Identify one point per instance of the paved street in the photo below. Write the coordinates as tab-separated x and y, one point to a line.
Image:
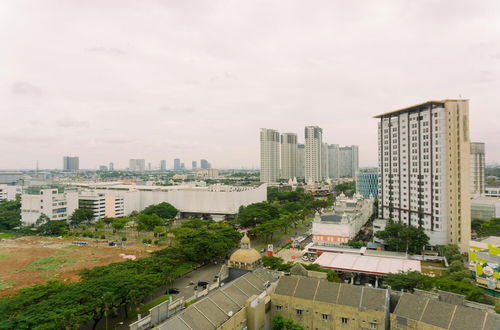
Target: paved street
205	273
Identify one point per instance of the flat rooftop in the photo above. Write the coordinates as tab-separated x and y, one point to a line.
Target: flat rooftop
419	105
366	264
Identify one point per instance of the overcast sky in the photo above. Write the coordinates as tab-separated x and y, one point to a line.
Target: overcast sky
113	80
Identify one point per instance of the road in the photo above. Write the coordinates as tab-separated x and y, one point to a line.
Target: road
283	240
205	273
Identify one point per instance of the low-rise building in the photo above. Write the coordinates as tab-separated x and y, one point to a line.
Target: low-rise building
55	203
8	193
492	192
207	173
319	304
102	204
485	208
344	222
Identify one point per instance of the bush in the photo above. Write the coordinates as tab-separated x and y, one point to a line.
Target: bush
124	239
103	236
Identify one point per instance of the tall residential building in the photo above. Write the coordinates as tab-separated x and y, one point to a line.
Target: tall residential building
71	164
348	161
314	146
137	165
288	156
204	164
269	155
325	161
111	166
333	160
163	165
424	162
194	165
177	164
477	165
301	160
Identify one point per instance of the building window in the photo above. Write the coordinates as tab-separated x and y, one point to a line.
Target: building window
373	325
279	307
343	320
325	317
299	312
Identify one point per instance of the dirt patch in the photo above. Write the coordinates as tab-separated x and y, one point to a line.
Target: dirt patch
32	260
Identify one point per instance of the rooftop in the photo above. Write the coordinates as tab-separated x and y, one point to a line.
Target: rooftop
419	105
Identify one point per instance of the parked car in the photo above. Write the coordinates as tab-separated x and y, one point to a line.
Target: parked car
202	283
173	291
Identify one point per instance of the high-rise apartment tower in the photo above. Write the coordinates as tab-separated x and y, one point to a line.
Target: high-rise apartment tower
424	162
477	168
314	146
71	164
288	156
269	155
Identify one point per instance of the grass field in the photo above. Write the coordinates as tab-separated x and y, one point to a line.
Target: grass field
29	260
5	235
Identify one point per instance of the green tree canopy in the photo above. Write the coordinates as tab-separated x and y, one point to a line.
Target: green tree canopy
147	222
403	238
10	214
163	210
80	216
257	213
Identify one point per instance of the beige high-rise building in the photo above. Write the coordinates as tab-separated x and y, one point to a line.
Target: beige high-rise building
288	156
269	155
477	165
314	146
301	160
424	169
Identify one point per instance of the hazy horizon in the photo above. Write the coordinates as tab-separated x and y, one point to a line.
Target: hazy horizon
113	80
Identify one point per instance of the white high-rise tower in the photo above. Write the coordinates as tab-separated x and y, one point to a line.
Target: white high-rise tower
424	163
314	146
269	155
288	156
477	163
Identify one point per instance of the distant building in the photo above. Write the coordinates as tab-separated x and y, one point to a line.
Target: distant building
71	164
288	156
177	164
8	193
485	208
55	203
477	165
103	168
209	173
301	160
367	182
325	161
10	177
492	192
204	164
348	161
424	162
269	155
314	147
137	165
163	165
333	161
111	166
101	204
194	165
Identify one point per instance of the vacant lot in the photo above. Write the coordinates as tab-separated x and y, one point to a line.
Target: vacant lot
31	260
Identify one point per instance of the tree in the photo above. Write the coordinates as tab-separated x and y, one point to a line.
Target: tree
267	229
52	228
43	218
10	214
347	188
403	238
257	213
80	216
162	210
318	205
147	222
408	281
280	323
451	252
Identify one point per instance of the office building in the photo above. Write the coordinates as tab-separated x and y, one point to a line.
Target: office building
477	164
137	165
194	165
204	164
301	160
55	203
71	164
288	156
177	164
163	165
424	162
314	146
269	155
367	182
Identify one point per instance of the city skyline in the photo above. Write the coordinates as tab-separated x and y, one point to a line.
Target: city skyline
105	95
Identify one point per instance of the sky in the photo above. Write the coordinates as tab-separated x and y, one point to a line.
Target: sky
119	79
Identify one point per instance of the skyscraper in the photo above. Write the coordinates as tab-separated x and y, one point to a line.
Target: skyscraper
324	161
333	160
288	156
137	165
194	165
177	164
269	155
204	164
424	162
163	165
71	164
477	168
314	146
301	160
348	161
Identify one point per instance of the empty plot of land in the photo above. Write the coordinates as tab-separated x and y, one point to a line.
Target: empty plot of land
32	260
